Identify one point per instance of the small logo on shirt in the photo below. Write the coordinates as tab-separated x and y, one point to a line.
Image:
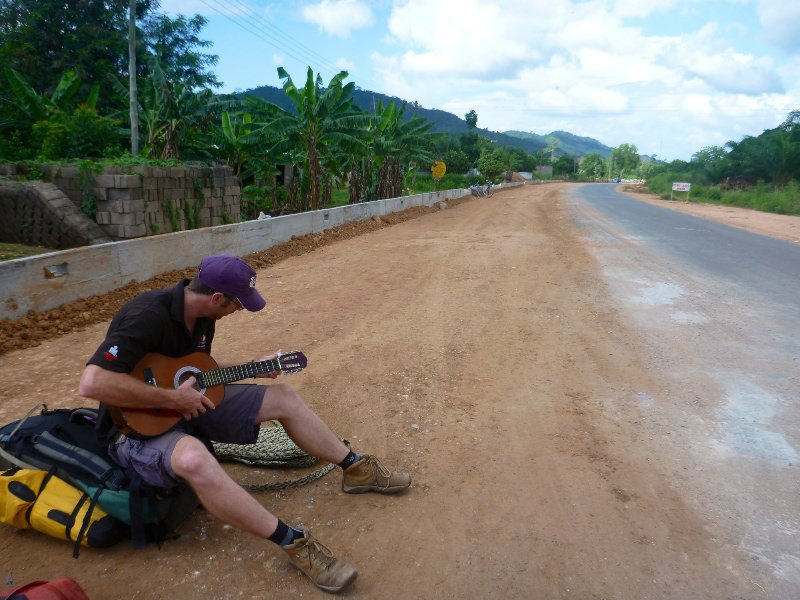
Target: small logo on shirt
202	342
111	353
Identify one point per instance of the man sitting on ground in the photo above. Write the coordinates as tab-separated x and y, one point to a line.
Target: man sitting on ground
179	321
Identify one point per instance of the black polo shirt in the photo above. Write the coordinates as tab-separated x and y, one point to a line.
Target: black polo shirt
151	322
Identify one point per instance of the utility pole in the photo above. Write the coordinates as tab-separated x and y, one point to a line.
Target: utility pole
132	78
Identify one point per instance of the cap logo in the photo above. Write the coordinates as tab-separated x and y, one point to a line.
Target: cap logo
253	281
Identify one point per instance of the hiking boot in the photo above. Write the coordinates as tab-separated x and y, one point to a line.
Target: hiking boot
369	475
317	562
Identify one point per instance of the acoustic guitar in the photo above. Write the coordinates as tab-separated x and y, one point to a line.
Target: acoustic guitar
162	371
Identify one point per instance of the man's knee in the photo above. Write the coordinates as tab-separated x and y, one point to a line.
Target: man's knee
192	461
282	399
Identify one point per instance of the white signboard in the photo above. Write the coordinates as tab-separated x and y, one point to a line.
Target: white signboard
681	187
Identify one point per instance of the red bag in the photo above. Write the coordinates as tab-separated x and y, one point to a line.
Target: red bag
58	589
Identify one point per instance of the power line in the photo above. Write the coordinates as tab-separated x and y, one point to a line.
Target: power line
322	60
255	30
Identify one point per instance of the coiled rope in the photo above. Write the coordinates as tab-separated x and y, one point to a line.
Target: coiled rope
273	448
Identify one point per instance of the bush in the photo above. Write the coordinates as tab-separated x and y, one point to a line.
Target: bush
255	200
453	181
83	135
90	135
50	137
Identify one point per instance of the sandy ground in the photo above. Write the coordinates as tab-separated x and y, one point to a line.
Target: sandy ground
473	346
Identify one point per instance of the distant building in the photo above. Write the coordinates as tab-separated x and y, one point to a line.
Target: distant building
544	170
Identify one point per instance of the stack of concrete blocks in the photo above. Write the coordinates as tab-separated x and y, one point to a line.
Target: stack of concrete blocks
40	214
189	197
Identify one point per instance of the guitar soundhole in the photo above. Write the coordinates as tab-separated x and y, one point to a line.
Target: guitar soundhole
182	374
183	378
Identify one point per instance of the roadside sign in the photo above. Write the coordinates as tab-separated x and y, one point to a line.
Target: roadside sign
681	186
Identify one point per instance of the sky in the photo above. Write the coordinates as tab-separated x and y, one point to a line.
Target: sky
668	76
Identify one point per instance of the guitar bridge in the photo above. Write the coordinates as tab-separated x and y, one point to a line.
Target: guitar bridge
149	378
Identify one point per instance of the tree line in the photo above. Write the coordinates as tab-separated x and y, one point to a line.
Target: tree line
64	96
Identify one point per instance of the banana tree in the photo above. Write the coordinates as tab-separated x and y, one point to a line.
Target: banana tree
399	146
173	117
38	107
323	121
234	133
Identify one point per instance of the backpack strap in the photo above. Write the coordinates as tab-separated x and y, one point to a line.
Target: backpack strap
7	438
87	520
89	414
91	463
17	461
136	507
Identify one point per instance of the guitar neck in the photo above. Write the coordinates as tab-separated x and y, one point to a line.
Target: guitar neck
225	375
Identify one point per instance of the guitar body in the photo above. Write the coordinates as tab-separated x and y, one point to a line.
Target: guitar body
162	371
165	372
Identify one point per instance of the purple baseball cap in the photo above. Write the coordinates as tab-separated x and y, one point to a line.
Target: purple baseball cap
233	277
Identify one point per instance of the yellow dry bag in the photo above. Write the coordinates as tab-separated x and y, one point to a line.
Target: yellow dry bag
42	501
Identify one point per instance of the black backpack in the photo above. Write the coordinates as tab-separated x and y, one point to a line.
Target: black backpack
64	443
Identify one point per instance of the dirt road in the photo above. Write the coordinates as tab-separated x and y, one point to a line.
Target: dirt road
479	348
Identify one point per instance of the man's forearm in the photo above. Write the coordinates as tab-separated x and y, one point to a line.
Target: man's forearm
122	390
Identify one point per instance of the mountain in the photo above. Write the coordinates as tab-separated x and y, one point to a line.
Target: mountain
445	122
565	143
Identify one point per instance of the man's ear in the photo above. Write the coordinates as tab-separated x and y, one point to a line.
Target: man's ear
217	298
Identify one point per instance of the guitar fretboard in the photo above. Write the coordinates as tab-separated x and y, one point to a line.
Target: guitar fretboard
237	373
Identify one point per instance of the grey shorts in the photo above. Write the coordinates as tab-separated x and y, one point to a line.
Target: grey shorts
232	422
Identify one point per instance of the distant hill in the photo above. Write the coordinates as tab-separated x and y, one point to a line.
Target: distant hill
445	122
566	143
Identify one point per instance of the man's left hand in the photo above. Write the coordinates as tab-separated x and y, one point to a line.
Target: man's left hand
271	374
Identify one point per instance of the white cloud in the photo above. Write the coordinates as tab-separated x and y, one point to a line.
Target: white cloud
344	64
586	67
735	73
781	22
467	38
339	17
641	8
706	57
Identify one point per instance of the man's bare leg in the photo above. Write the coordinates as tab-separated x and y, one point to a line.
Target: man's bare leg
302	424
230	503
222	497
363	473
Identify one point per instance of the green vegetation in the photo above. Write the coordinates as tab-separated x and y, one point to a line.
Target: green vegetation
760	172
332	142
12	251
86	173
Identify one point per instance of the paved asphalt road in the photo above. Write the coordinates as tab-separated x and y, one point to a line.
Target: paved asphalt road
716	311
760	264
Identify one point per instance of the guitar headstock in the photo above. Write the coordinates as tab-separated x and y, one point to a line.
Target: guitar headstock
292	362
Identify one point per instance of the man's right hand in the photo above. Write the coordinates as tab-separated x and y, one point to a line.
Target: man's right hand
189	402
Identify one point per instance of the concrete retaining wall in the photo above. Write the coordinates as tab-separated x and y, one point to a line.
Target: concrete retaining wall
137	201
47	281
